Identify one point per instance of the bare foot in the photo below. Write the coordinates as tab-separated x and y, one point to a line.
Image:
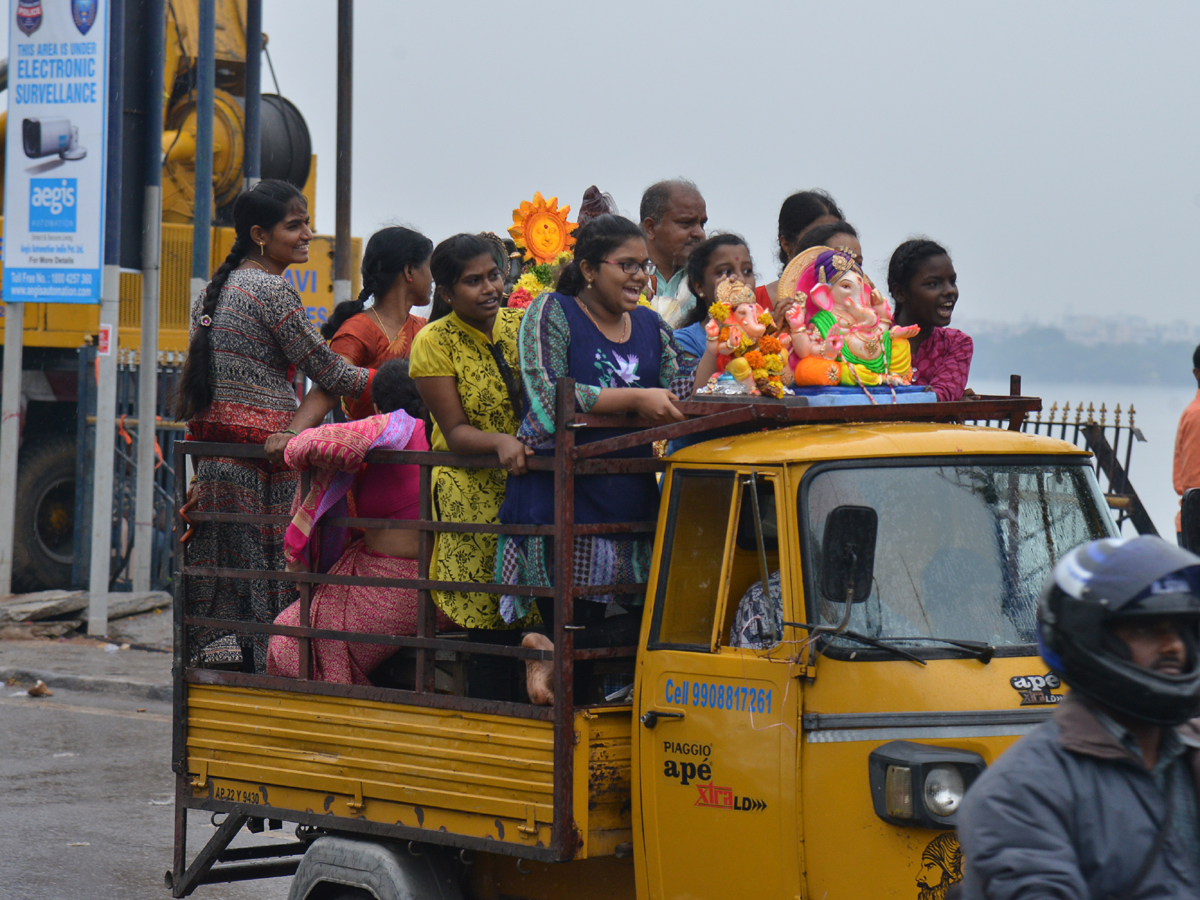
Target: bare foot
539	673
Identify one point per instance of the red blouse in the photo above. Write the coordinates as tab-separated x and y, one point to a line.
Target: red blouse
362	341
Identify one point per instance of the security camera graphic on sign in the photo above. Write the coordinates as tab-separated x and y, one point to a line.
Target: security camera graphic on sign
51	136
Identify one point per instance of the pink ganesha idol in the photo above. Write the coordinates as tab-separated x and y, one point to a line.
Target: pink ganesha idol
841	328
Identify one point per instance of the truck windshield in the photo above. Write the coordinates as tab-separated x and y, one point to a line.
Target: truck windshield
962	550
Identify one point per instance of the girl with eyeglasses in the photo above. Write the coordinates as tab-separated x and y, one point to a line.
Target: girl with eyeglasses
623	359
466	366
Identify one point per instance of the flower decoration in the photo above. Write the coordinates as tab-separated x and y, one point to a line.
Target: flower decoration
541	229
520	299
720	312
531	283
768	343
537	278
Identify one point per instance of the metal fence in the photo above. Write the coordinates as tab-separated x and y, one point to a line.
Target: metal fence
125	469
1111	442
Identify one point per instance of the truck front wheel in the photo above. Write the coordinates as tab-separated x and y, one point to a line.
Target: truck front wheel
44	528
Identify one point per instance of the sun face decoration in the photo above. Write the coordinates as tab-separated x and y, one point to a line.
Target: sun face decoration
541	229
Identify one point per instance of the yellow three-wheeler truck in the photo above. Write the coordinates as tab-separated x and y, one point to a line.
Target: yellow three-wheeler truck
813	739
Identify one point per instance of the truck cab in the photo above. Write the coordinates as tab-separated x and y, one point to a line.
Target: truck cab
838	637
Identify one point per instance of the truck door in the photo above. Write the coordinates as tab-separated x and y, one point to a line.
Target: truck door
714	759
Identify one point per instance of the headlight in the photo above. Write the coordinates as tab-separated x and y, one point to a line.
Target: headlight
920	785
944	790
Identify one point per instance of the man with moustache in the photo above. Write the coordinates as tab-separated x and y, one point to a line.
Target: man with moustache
673	217
941	868
1101	801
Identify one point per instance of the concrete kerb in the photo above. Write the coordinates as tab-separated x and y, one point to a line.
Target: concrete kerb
124	686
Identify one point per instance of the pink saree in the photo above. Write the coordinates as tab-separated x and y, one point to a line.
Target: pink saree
335	453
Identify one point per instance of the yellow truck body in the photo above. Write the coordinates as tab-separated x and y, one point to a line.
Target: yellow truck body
735	773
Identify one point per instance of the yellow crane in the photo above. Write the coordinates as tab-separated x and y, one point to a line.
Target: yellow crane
44	534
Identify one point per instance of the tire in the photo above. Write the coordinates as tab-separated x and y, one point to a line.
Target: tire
44	528
335	866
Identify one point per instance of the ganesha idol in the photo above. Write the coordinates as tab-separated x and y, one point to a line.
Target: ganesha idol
840	326
743	339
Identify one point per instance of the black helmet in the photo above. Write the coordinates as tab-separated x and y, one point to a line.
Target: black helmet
1112	579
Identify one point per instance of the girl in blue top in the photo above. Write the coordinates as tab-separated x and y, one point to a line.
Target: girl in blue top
623	360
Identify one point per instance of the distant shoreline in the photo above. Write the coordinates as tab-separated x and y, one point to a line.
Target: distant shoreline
1046	354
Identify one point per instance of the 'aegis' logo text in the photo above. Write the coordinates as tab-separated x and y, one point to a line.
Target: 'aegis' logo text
52	204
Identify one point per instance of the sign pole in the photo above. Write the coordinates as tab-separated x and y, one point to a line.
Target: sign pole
345	107
206	78
106	359
10	436
143	530
252	163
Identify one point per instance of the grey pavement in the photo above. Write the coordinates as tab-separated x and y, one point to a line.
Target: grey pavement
87	788
84	664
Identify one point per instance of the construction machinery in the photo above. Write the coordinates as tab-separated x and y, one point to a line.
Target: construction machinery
45	529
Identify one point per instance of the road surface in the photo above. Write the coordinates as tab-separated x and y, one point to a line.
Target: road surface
87	811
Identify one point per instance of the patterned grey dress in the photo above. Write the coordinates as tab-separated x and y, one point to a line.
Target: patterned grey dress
260	336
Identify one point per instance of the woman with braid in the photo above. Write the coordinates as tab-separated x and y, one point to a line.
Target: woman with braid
395	273
250	334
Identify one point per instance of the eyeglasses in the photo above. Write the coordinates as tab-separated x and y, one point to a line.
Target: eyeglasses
629	267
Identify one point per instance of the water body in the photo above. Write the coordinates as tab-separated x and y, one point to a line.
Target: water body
1156	414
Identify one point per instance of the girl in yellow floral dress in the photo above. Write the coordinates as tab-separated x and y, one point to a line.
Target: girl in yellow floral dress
467	367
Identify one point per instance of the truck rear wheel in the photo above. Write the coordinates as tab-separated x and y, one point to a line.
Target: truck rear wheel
44	528
337	866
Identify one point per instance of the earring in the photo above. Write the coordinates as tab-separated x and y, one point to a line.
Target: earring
262	250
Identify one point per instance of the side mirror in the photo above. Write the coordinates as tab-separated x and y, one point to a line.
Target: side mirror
1191	519
848	553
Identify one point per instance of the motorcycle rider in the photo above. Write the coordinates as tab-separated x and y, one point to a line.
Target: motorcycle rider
1101	801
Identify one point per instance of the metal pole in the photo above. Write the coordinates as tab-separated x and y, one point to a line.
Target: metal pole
345	104
252	159
206	79
10	436
106	365
143	528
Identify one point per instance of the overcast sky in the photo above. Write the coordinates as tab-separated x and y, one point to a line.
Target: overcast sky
1050	146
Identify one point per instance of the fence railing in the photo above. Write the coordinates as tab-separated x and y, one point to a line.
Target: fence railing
1110	436
129	422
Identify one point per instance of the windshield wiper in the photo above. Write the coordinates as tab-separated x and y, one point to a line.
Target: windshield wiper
981	650
862	639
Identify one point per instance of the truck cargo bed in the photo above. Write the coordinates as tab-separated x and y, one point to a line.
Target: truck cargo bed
444	776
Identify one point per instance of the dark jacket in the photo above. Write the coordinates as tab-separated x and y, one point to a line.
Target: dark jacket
1068	813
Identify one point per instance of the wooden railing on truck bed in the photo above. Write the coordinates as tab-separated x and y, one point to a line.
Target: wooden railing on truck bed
569	460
